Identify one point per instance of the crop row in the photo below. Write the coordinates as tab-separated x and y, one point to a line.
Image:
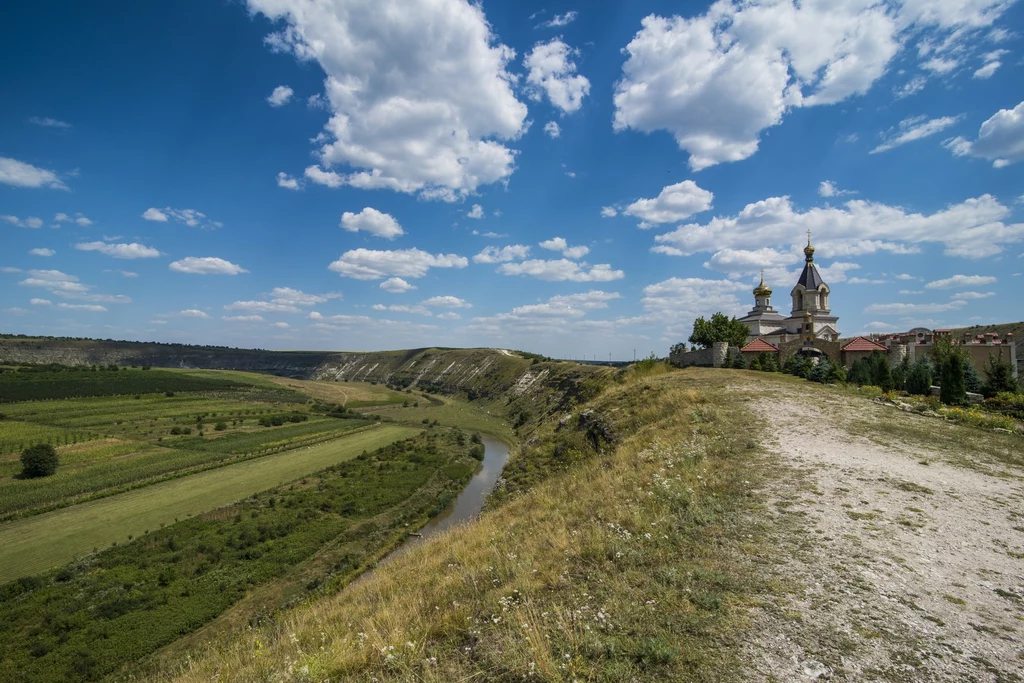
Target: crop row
37	386
244	442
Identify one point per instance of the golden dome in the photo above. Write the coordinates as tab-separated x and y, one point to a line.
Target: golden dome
762	289
809	250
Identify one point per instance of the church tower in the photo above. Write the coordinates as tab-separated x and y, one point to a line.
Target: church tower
810	300
763	319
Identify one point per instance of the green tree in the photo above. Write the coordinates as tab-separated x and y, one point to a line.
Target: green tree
739	362
767	362
881	375
900	372
954	391
972	380
720	328
860	372
999	377
38	461
919	378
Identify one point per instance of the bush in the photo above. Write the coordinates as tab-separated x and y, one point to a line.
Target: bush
860	372
881	375
739	362
38	461
999	374
755	363
954	390
767	362
919	378
220	426
972	380
900	372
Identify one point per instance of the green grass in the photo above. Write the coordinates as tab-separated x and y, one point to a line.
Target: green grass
453	413
267	437
91	617
34	544
34	386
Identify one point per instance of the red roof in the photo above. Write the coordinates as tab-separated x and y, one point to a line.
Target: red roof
759	345
863	344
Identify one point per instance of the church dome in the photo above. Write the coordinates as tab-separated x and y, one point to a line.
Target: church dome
762	289
809	251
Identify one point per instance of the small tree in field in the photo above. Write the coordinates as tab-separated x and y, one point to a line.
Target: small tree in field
954	391
1000	377
38	461
720	328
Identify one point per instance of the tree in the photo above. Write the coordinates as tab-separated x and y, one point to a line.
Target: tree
38	461
767	362
881	375
919	378
954	391
972	380
900	372
720	328
999	374
739	362
860	372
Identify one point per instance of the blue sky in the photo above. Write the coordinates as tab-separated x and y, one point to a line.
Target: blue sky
574	179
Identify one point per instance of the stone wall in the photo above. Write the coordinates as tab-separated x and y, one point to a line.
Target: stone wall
715	357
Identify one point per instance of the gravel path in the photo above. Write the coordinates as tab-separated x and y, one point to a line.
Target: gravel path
897	565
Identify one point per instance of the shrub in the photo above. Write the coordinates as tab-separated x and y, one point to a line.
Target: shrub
972	380
860	372
954	391
220	426
768	362
38	461
881	375
999	374
900	372
755	363
919	378
739	362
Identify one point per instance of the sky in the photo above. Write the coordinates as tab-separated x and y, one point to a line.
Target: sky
573	179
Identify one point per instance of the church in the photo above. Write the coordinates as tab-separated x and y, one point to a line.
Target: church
810	318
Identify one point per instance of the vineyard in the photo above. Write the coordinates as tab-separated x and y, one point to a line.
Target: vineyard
41	386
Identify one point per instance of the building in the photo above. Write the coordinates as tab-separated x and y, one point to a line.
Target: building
809	317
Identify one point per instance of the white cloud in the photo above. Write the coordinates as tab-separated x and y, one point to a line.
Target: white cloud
370	264
9	269
281	96
748	260
911	292
609	212
449	315
513	252
243	318
567	305
21	174
124	251
152	214
559	244
296	297
83	221
827	188
281	325
93	308
967	296
1001	139
552	129
940	65
551	71
396	285
674	203
913	309
412	112
321	177
905	276
988	70
40	302
683	299
961	281
262	307
206	265
193	313
717	80
879	326
915	128
866	281
41	252
447	302
287	182
403	308
372	221
911	87
30	222
69	287
559	20
47	122
972	228
476	212
561	270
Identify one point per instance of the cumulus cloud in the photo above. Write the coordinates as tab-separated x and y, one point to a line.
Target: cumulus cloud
262	307
403	308
970	296
991	65
243	318
561	270
370	264
396	285
206	265
287	182
47	122
41	252
914	128
513	252
124	251
372	221
476	212
552	129
559	244
21	174
961	281
674	203
609	212
972	228
296	297
40	302
447	302
911	87
827	188
686	298
281	325
69	287
92	308
281	96
717	80
153	214
30	222
193	313
551	71
410	112
1001	139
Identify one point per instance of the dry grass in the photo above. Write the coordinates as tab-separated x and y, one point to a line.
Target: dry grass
624	568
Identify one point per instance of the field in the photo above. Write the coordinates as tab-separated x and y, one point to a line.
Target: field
352	394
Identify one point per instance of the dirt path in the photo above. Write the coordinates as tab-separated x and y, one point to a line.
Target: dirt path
898	565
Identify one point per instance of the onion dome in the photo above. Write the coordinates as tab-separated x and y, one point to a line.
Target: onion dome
762	289
809	250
